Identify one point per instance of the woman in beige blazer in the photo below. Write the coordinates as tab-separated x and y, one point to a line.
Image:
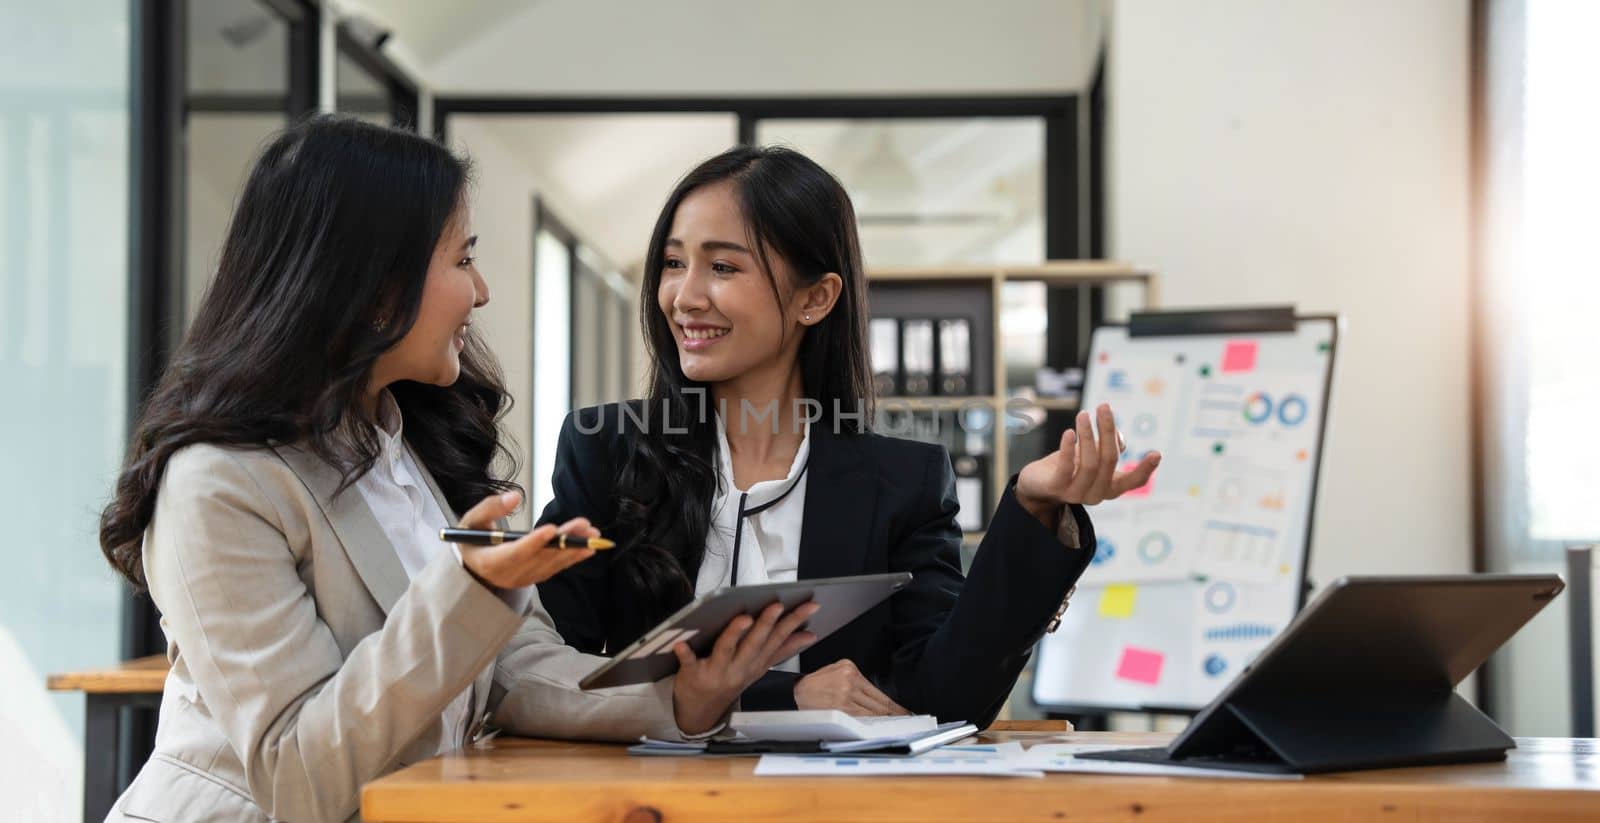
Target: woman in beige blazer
328	412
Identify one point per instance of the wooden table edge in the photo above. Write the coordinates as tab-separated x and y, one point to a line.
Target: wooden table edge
1350	795
144	675
1087	797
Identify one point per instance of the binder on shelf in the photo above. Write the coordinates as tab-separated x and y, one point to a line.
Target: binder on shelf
955	356
916	356
884	339
937	426
1049	382
971	478
930	427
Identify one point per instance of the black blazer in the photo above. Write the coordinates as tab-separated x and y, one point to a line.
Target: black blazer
874	504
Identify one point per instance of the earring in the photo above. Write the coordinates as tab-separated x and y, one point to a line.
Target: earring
379	324
808	318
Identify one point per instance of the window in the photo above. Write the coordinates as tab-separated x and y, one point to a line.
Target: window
1537	344
552	353
64	176
1540	298
237	88
1553	268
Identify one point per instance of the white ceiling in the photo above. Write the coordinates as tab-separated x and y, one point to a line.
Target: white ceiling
604	175
722	47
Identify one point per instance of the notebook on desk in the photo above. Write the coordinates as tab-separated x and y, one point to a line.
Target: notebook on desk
827	724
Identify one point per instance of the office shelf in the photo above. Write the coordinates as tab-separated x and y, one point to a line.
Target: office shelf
994	278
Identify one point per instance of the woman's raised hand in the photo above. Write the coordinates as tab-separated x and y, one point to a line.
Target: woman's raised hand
527	560
1083	470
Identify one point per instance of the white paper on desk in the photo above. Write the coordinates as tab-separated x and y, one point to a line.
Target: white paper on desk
651	746
1000	760
1010	749
1062	757
919	743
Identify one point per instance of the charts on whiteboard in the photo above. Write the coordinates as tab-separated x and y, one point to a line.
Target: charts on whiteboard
1197	571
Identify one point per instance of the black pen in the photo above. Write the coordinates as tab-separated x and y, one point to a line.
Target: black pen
480	537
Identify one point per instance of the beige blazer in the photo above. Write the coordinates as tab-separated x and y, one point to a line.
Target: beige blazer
305	663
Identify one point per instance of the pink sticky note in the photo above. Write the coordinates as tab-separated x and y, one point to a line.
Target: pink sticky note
1142	491
1140	665
1239	357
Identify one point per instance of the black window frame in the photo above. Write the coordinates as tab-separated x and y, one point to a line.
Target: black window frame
403	95
159	105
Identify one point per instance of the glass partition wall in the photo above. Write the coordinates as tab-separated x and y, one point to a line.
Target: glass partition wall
64	350
212	82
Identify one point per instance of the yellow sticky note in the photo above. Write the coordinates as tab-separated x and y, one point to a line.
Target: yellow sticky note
1117	601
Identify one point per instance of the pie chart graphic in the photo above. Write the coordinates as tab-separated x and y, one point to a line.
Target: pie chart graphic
1258	408
1292	411
1155	547
1220	597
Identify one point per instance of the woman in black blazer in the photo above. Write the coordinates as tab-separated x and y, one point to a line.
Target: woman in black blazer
750	461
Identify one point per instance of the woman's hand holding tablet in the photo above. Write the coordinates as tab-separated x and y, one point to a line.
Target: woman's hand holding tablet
836	601
746	649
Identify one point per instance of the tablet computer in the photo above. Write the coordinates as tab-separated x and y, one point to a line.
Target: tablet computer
650	658
1365	678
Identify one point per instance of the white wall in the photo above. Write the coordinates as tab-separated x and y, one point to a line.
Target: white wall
502	215
517	158
1315	152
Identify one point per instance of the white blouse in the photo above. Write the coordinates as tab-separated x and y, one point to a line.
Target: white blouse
411	518
768	539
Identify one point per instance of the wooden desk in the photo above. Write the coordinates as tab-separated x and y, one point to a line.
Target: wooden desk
128	685
1544	779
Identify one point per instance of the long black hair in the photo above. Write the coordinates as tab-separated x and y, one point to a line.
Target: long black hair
322	270
795	210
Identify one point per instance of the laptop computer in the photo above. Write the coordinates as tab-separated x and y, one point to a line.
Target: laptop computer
1364	678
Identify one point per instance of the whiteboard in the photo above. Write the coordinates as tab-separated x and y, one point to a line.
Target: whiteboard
1196	572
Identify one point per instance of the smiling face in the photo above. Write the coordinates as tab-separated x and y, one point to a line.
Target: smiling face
430	352
717	300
